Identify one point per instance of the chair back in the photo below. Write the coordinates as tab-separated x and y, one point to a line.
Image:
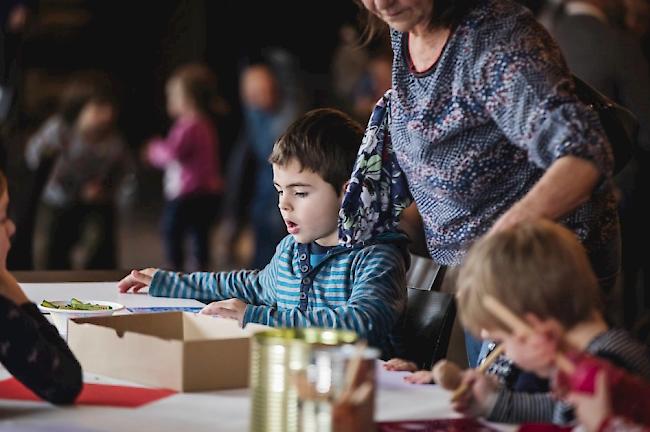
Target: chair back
430	313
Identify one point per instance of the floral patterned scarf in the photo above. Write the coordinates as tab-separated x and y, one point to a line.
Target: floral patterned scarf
378	192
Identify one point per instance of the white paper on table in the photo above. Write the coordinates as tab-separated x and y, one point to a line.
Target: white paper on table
26	427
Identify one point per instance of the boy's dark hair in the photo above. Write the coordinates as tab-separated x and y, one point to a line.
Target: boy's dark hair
325	141
200	85
446	13
84	88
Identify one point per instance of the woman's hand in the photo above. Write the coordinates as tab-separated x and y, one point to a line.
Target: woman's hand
516	214
566	184
398	364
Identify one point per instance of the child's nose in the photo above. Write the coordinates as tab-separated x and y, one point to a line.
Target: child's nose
283	204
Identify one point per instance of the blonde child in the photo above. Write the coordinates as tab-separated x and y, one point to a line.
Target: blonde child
540	272
190	157
30	347
311	281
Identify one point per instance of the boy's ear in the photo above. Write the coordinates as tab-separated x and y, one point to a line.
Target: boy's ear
343	188
342	191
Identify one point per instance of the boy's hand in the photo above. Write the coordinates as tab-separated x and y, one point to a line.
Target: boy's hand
481	395
136	280
420	377
537	352
592	410
398	364
232	308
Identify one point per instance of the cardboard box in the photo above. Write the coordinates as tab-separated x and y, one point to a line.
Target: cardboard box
175	350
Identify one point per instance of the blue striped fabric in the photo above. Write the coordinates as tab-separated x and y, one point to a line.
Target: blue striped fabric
362	288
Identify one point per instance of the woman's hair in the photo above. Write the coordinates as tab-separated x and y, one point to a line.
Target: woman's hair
199	84
83	88
446	13
325	141
535	267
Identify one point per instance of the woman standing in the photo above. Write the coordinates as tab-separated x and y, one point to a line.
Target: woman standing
486	126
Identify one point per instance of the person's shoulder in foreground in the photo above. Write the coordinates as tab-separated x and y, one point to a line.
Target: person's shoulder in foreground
30	347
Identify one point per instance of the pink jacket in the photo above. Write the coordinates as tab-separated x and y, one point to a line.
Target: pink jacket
190	157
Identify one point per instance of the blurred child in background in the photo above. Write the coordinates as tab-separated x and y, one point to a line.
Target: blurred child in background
271	99
89	165
190	157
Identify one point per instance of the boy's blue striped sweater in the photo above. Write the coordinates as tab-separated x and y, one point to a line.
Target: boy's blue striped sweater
362	288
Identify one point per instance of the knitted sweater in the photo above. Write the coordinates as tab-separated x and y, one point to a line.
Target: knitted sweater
475	132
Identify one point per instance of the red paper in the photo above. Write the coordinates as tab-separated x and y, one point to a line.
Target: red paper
92	394
438	425
630	394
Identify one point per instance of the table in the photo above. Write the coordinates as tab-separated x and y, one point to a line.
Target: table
205	411
211	411
106	291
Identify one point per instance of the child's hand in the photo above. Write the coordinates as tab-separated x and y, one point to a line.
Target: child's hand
93	191
136	280
540	349
145	150
481	395
398	364
592	410
420	377
536	351
447	374
232	308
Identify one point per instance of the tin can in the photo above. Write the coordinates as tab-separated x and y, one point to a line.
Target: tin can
276	356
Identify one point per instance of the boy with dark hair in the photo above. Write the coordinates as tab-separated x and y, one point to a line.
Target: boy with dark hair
311	281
